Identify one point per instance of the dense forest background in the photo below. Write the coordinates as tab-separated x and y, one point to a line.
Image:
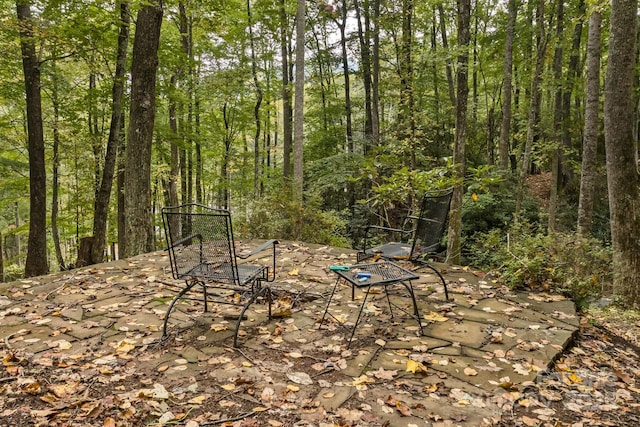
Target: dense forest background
311	119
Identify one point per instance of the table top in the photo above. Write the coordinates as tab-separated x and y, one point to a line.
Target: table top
380	273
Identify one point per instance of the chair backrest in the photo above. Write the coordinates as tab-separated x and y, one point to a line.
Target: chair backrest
431	223
200	242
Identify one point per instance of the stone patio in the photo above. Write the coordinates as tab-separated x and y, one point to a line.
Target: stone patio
103	323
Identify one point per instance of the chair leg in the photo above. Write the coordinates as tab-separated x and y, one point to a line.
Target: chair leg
190	284
364	302
416	312
244	309
435	270
326	310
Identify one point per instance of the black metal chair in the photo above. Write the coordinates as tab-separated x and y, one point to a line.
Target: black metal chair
423	239
202	252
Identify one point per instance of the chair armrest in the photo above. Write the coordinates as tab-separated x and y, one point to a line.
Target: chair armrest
185	239
260	248
423	219
263	247
379	227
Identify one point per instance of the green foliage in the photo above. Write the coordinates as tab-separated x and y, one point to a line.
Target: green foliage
577	266
276	215
490	205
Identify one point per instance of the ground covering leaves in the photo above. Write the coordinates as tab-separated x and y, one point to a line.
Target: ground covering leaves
289	373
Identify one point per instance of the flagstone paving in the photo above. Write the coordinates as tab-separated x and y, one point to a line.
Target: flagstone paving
83	348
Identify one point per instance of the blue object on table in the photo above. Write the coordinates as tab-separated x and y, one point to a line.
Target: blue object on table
363	275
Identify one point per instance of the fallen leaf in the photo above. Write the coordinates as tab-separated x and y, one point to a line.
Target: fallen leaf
470	372
198	400
413	366
530	422
300	378
435	317
404	410
383	374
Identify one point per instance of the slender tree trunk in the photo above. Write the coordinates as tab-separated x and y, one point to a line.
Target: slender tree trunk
532	123
591	126
137	178
101	205
406	120
55	233
505	129
364	37
375	77
459	156
286	93
445	45
36	263
174	161
256	108
621	149
556	154
345	72
298	141
573	74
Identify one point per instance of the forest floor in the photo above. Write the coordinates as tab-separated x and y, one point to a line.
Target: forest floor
82	348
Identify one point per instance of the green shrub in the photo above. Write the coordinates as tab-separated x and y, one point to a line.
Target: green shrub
576	266
276	216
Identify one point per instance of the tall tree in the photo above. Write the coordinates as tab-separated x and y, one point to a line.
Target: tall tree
101	204
556	153
505	129
287	112
534	104
342	25
459	154
256	108
137	175
623	180
591	126
298	120
36	263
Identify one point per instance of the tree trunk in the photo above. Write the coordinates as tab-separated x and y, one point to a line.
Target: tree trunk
459	156
445	45
286	93
256	108
556	154
345	72
364	37
101	206
36	263
621	150
55	184
298	138
505	129
407	124
591	126
532	123
375	77
137	178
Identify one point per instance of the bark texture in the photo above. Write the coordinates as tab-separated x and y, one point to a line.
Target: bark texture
36	263
623	180
137	177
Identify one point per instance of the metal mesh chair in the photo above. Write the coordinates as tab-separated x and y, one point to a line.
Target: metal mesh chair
418	242
202	252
